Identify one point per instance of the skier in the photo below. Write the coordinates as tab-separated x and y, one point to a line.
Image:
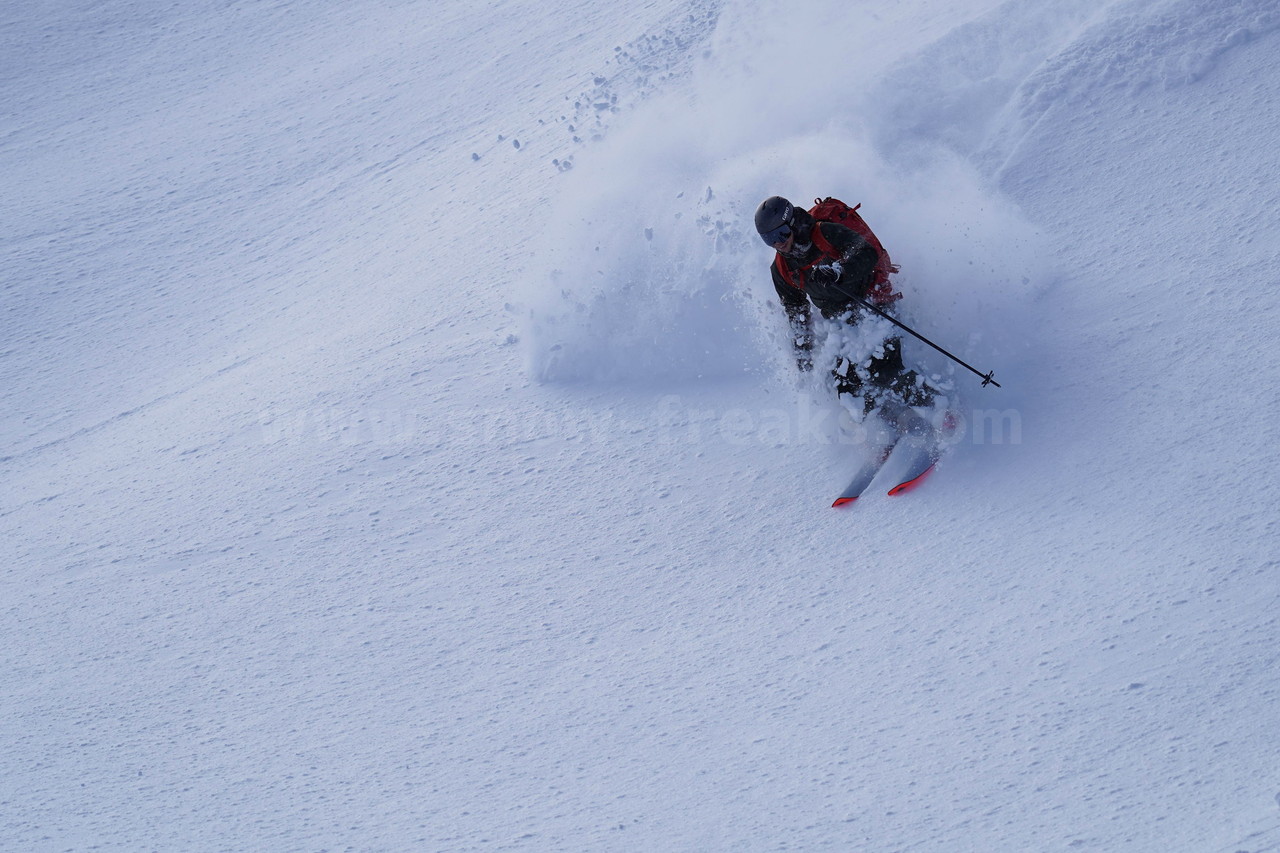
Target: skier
831	266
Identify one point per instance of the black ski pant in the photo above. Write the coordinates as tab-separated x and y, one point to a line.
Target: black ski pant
882	375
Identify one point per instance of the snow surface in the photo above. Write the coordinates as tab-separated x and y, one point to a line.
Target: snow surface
400	449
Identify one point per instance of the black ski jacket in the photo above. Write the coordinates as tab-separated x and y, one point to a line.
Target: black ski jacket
857	260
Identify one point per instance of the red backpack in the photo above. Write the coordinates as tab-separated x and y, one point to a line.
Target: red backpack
833	210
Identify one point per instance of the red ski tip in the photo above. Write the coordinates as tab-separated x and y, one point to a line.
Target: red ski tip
844	501
912	483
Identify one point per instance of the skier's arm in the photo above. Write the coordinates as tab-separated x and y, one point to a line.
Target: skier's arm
796	304
858	258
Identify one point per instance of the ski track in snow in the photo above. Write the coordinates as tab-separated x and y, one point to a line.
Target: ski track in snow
331	524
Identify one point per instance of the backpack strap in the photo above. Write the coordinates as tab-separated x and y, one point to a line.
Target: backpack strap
785	272
823	244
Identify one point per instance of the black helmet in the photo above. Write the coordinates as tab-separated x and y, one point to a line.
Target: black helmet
774	217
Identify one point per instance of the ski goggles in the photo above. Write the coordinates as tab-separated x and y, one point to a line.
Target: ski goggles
777	235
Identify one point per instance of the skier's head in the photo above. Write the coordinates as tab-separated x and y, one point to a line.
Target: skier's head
774	220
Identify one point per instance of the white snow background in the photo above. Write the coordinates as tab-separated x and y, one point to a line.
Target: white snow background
400	449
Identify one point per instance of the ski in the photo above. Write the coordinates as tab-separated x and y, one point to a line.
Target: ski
862	480
923	460
925	455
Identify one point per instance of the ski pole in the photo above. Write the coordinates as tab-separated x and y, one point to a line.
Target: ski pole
987	378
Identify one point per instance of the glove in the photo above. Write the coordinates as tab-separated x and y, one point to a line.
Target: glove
827	273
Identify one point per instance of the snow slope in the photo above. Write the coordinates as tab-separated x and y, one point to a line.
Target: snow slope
400	450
